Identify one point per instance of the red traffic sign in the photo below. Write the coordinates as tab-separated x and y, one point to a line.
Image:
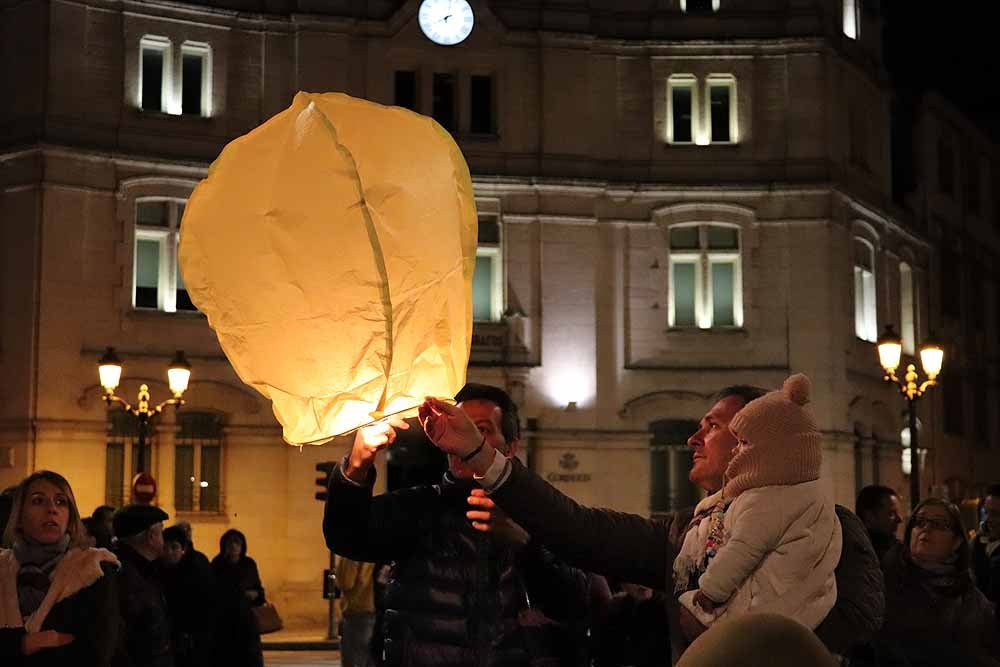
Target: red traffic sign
143	489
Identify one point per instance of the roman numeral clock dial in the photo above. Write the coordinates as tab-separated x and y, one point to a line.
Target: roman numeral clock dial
446	22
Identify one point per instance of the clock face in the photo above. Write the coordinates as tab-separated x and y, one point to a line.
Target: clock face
446	22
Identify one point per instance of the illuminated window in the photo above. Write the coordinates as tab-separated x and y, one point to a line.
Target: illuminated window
908	309
198	448
699	6
720	102
487	280
157	281
705	284
174	81
702	113
852	18
865	317
196	77
155	59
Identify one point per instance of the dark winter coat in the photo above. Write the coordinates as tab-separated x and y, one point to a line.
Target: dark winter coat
955	626
237	640
986	569
455	595
191	596
90	615
632	548
147	641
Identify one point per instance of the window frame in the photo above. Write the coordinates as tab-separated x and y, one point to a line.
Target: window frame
690	82
721	81
494	252
168	239
851	19
204	50
165	47
197	443
684	7
865	314
703	258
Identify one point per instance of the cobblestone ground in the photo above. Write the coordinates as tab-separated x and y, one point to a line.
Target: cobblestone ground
302	658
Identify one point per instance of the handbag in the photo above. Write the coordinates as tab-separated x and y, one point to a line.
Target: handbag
266	618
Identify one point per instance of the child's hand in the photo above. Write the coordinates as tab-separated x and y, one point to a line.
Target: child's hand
704	602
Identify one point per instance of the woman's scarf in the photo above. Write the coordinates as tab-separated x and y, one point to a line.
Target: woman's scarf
37	562
939	579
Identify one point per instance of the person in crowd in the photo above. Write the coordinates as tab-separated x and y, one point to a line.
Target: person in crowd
190	552
189	585
629	632
6	504
641	550
458	595
239	589
139	533
934	613
357	607
104	531
878	508
769	540
986	546
58	598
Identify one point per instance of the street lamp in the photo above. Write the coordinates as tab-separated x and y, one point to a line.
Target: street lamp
890	349
178	374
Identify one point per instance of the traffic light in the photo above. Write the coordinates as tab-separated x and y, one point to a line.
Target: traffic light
326	467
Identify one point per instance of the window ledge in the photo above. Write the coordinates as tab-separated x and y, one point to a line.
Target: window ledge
714	331
480	137
149	113
207	517
154	314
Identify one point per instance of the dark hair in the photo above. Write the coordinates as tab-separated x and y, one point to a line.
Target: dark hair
74	527
747	392
510	420
870	499
957	529
176	534
233	534
103	513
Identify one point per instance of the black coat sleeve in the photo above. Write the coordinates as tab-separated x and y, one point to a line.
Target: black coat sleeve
373	529
10	647
857	614
102	619
625	546
560	591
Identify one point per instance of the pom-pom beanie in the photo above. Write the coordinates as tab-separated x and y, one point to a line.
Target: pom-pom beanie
779	440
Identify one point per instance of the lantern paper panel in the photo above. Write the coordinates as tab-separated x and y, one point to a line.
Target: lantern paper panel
332	250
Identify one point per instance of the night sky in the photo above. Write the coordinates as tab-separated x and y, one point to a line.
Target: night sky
952	47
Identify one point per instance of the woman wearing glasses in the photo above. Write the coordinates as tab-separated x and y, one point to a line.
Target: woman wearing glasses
934	614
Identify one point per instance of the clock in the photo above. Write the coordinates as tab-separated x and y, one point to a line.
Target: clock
446	22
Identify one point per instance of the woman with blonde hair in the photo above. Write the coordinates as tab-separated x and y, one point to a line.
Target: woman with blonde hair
58	604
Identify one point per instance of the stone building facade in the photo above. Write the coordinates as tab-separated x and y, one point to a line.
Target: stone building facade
674	196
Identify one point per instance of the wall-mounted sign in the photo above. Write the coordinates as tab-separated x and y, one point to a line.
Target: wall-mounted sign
569	463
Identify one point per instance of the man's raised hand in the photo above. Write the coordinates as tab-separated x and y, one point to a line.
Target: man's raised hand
449	427
369	441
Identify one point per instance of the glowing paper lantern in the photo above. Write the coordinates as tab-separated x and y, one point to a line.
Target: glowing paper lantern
332	249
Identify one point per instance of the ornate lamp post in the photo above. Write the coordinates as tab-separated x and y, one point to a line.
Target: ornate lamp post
890	348
178	375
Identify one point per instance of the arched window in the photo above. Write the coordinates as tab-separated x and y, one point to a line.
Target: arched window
865	311
157	281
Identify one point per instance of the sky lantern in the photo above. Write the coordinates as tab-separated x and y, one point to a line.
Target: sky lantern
332	250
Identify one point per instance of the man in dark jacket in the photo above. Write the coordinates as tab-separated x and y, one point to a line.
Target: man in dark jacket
640	550
878	508
986	546
190	591
459	594
139	529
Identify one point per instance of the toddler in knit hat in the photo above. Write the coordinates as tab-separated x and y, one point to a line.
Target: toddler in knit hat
770	539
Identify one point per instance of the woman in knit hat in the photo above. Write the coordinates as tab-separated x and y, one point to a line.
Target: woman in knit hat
771	539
